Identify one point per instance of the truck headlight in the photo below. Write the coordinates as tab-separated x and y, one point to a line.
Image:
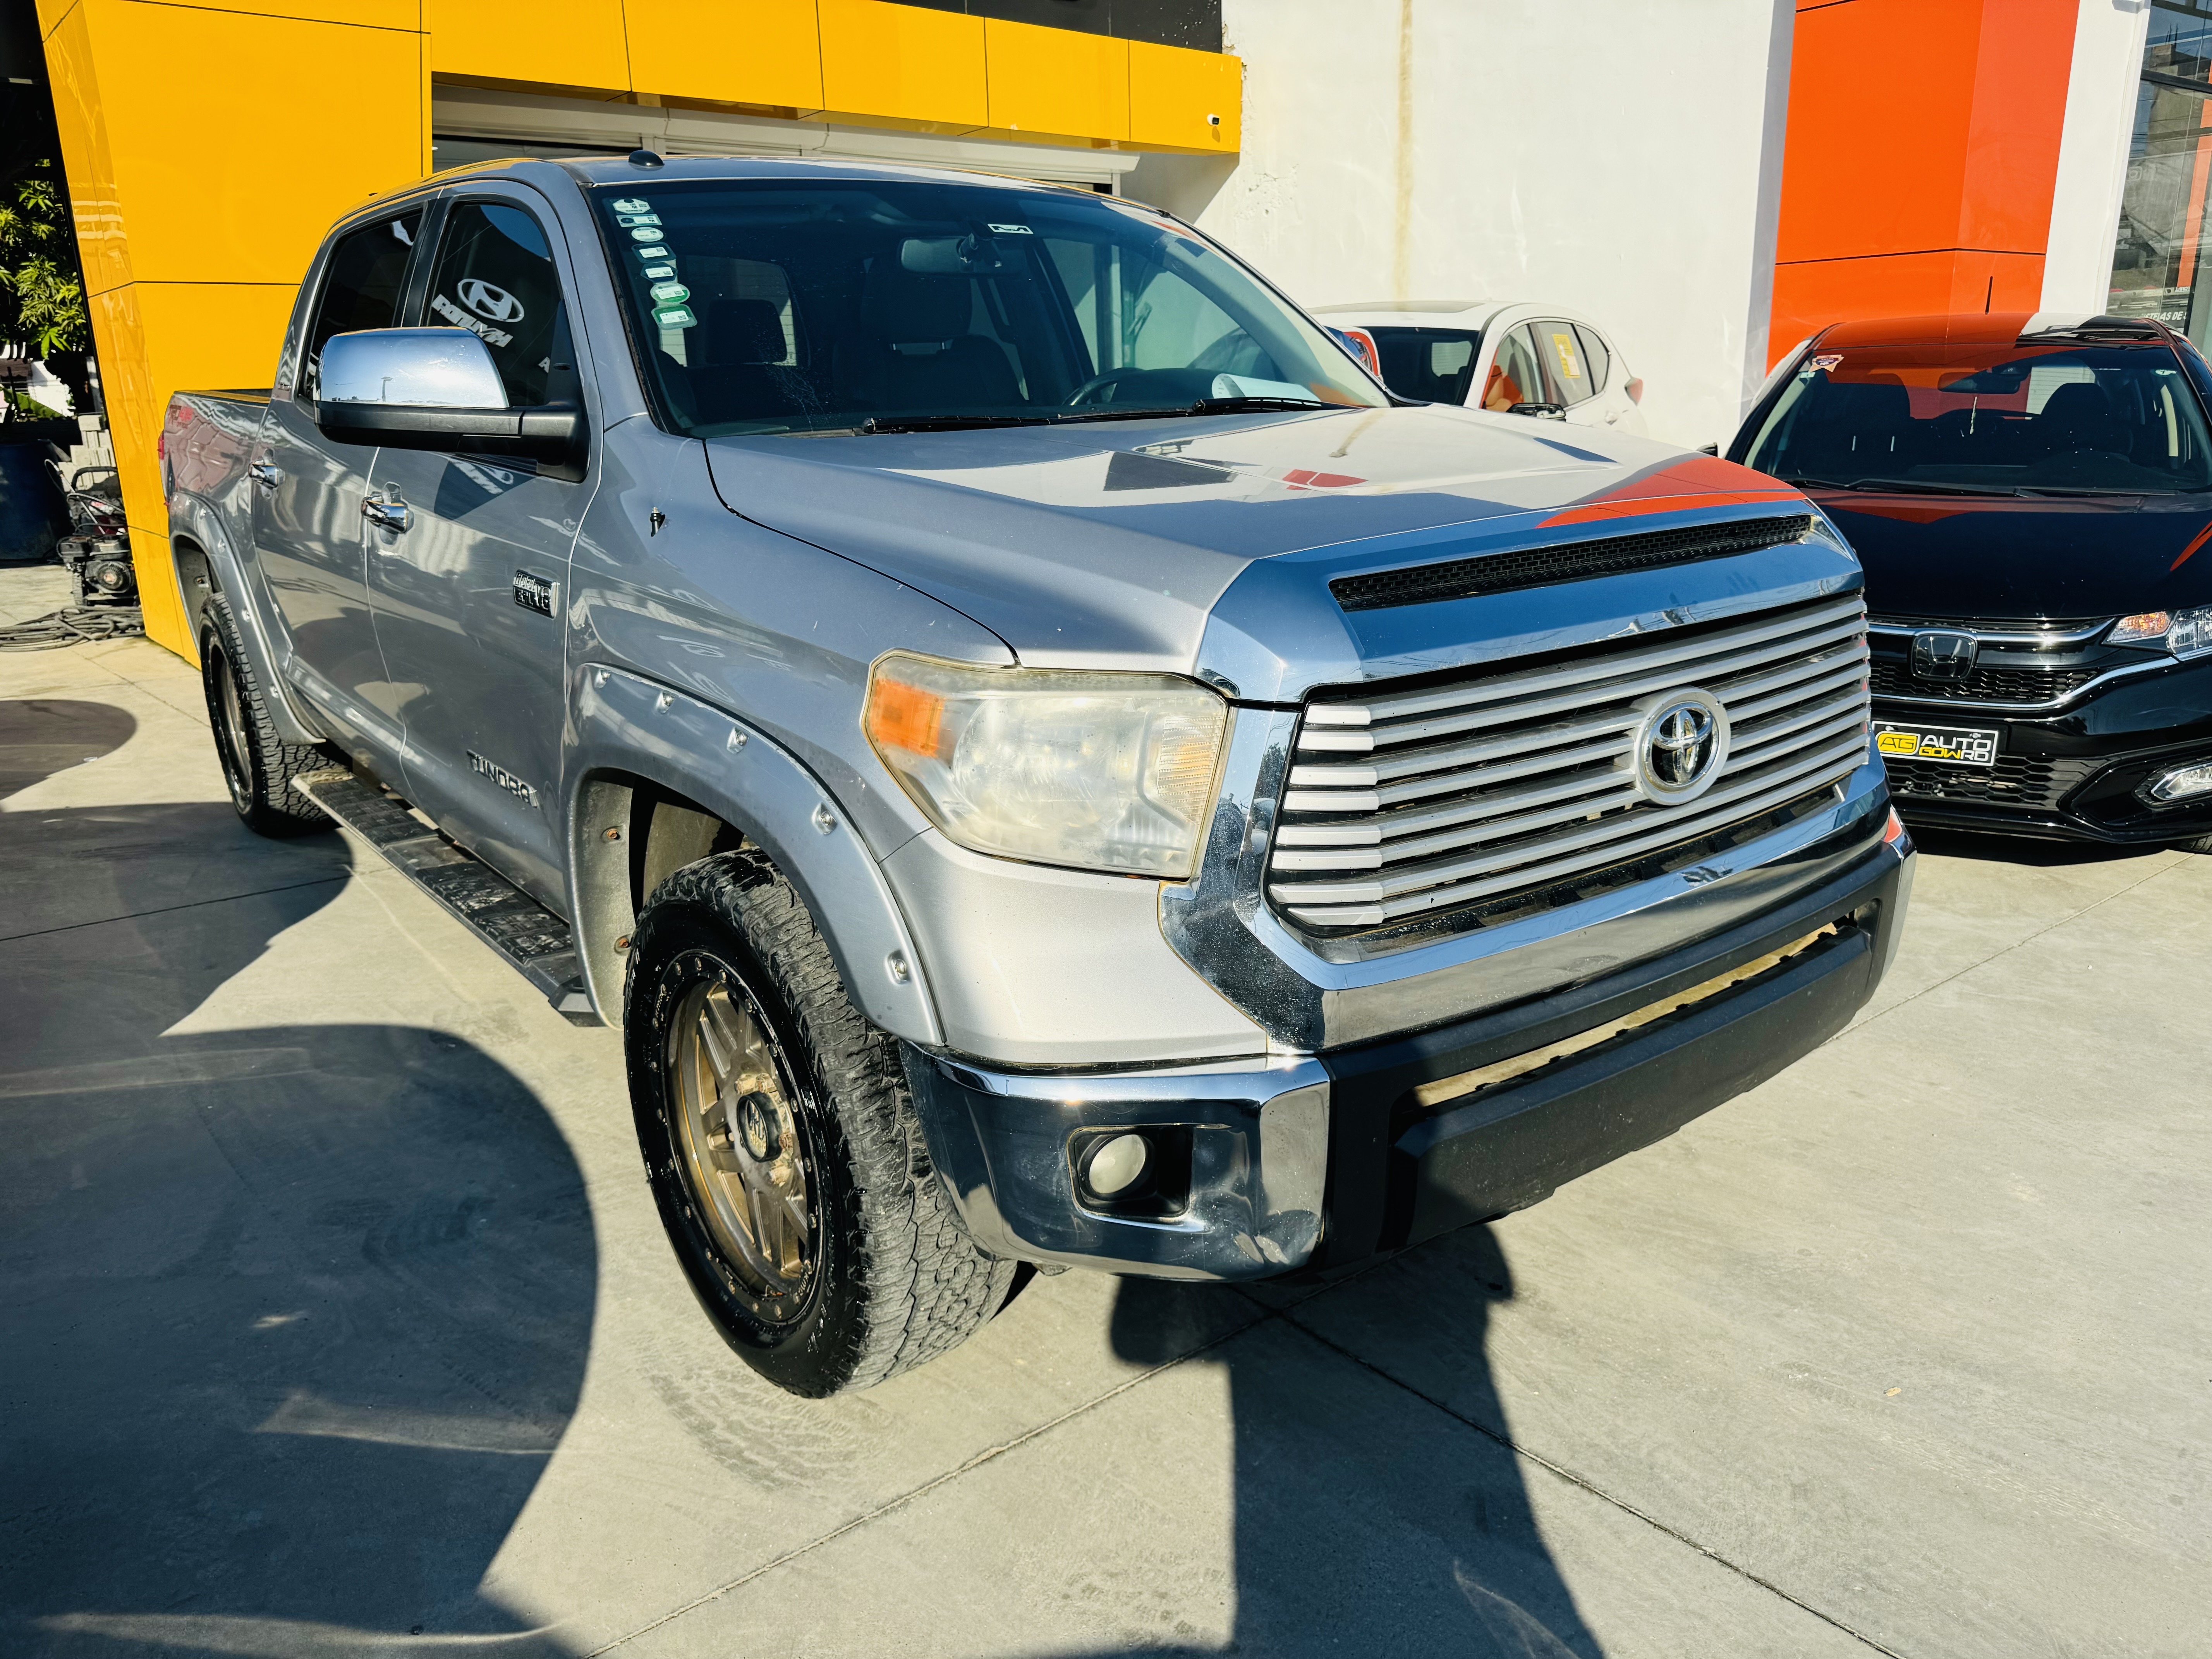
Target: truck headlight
2185	633
1102	771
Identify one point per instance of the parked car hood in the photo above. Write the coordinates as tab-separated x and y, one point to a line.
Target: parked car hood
1112	543
1996	558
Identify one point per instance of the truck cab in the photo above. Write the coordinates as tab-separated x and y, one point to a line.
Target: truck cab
1046	761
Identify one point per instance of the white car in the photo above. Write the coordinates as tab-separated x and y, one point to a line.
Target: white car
1506	356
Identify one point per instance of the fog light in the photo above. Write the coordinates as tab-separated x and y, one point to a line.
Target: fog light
1117	1165
2182	783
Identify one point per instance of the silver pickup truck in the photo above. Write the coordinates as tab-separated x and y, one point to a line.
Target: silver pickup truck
1047	762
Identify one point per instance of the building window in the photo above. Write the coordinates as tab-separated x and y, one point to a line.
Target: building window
2162	258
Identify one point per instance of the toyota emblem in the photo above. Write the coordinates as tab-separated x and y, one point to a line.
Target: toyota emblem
495	303
1680	746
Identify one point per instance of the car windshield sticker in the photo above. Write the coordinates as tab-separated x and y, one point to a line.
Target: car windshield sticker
654	252
627	220
644	234
631	204
658	273
1827	360
1011	230
675	317
669	292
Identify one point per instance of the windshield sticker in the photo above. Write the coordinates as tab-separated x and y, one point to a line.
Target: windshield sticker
658	273
654	252
1010	230
675	317
631	204
644	234
1563	344
669	292
627	220
460	319
1827	360
486	300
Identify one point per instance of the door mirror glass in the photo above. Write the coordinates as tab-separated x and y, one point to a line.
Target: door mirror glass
421	368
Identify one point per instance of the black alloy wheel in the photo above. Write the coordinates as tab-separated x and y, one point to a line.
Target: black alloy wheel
258	764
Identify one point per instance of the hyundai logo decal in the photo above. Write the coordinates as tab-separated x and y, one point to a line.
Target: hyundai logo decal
494	303
1680	746
1943	654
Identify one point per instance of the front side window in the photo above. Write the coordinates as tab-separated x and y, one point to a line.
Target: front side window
494	276
1516	373
366	280
1990	419
768	306
1433	365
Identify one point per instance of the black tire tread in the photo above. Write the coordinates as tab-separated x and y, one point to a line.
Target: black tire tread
926	1285
278	808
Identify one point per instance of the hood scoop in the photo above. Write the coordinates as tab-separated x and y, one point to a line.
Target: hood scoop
1573	562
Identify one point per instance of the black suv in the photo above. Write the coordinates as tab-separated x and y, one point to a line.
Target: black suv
2031	497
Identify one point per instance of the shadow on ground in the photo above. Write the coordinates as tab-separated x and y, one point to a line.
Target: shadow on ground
1360	1530
293	1316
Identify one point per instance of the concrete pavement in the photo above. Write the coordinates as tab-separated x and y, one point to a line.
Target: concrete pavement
336	1317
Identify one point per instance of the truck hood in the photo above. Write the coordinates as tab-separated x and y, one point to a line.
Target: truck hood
1996	558
1111	545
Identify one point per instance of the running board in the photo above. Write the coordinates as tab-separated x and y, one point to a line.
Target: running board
536	942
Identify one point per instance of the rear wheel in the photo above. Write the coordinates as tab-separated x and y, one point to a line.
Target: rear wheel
2202	844
781	1143
257	765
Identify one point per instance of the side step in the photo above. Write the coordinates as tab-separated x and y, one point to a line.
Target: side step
536	943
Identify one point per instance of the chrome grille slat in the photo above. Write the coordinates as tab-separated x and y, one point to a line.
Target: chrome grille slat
1524	798
1399	705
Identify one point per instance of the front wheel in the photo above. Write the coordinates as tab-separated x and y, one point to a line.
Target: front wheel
257	765
781	1143
2202	844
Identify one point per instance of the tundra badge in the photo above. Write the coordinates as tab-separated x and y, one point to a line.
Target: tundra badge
533	592
505	779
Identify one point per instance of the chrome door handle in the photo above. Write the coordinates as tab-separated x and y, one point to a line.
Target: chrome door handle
385	515
264	475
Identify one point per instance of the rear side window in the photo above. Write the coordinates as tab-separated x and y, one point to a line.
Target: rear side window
368	277
1564	363
494	276
1598	354
1431	364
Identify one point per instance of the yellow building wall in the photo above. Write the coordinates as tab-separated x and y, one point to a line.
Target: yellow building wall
194	235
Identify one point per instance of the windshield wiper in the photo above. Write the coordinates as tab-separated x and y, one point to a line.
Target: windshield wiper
2072	490
1919	487
874	424
1121	415
1816	484
1246	406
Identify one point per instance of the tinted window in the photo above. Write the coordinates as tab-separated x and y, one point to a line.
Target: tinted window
1564	365
1432	364
494	276
2021	416
366	279
768	306
1516	373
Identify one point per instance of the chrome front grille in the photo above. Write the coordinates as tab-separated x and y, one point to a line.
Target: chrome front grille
1399	804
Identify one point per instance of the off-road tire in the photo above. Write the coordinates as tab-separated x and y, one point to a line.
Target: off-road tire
257	765
896	1280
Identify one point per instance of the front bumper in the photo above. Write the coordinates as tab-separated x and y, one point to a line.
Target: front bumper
2071	775
1323	1159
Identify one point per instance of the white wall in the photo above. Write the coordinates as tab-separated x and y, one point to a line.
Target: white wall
2093	152
1624	161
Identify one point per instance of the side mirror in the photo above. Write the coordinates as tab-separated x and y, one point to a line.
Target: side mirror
1540	411
437	389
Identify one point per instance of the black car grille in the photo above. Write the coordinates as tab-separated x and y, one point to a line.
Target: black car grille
1889	677
1573	562
2015	781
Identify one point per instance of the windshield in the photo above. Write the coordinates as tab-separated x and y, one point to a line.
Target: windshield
841	305
1431	364
2056	418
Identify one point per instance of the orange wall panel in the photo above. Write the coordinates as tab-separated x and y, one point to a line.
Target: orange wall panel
1921	158
1173	90
905	64
767	52
550	43
1056	81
